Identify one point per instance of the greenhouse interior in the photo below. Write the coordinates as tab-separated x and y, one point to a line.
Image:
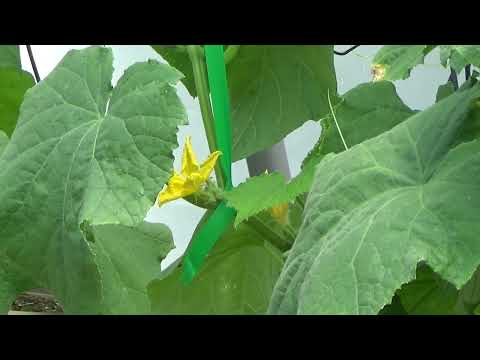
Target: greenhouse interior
239	179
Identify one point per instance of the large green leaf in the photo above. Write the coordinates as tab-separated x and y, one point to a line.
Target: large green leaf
444	90
398	60
3	141
246	200
178	58
274	89
374	212
237	278
13	281
10	56
13	84
458	56
471	127
84	154
128	258
429	294
469	295
394	308
364	112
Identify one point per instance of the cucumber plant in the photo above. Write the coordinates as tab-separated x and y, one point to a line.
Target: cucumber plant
383	217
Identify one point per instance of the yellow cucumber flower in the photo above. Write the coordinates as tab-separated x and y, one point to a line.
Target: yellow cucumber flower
280	213
191	178
378	72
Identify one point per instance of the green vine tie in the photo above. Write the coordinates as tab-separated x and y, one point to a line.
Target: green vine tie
223	216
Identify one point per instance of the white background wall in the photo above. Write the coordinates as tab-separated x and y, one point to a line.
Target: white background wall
418	92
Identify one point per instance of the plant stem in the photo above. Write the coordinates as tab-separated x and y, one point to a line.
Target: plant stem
272	237
301	200
197	58
210	197
201	84
230	53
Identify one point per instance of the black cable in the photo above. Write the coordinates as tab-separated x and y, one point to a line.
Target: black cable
453	79
32	61
468	69
341	53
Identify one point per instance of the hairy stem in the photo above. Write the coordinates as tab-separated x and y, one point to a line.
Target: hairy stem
211	196
272	237
230	53
201	84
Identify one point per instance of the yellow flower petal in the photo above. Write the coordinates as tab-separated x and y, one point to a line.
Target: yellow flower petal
173	190
189	160
191	178
207	166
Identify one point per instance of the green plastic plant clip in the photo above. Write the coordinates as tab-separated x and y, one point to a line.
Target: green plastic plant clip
223	216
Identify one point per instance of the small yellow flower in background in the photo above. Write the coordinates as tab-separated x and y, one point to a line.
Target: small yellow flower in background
280	213
378	72
191	178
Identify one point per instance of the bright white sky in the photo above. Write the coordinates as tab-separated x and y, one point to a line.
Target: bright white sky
418	92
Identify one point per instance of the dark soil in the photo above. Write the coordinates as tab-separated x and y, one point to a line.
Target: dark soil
37	302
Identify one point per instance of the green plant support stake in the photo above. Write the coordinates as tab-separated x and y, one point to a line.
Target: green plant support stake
223	216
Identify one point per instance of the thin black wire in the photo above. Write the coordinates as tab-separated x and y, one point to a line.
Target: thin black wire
453	79
468	70
32	61
341	53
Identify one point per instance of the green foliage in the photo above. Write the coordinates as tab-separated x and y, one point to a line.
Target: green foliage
12	282
275	89
374	212
382	219
3	141
394	308
444	91
399	60
458	56
246	200
85	154
128	258
471	127
178	58
364	112
429	294
10	56
237	278
14	82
